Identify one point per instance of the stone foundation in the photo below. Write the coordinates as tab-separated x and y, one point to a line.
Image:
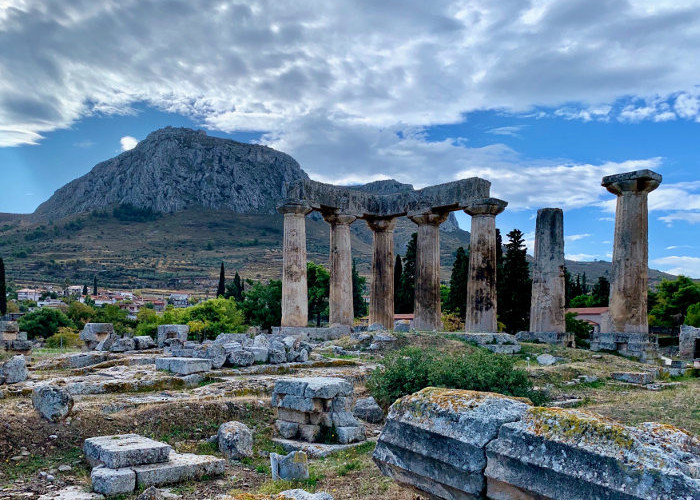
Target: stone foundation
500	343
638	345
561	338
689	343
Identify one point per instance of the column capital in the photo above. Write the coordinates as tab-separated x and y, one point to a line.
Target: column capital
381	225
430	218
486	206
294	207
639	181
336	218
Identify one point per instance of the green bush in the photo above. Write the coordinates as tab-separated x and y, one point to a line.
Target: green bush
411	369
43	322
581	329
65	337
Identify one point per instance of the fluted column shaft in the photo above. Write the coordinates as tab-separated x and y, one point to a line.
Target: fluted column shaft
548	280
381	302
340	297
295	306
481	288
628	287
427	308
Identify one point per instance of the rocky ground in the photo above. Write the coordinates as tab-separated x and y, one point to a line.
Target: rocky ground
38	457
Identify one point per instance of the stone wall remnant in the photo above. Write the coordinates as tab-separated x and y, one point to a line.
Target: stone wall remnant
94	334
167	332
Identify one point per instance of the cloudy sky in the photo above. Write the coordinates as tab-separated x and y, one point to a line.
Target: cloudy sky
541	97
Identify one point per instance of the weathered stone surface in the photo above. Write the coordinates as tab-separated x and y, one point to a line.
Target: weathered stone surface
52	402
240	357
687	340
368	410
183	366
376	327
236	338
21	345
214	352
290	467
180	467
112	482
555	453
546	359
84	359
144	342
14	370
304	495
277	355
106	344
96	332
294	284
124	450
634	377
9	327
563	338
381	301
340	294
235	440
309	432
350	434
123	344
326	387
260	354
166	332
501	343
71	493
151	493
287	429
434	440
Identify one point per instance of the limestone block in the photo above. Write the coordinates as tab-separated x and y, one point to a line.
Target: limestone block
344	419
641	378
21	345
375	327
96	332
546	359
261	341
237	338
214	352
260	354
52	402
686	341
368	410
180	467
291	386
327	387
287	430
277	356
240	358
113	482
14	370
183	366
144	342
9	326
123	344
291	467
235	440
107	343
434	440
300	404
572	454
350	434
309	432
343	403
124	450
166	332
298	417
304	495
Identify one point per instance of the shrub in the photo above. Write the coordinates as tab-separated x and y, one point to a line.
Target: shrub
43	322
452	322
581	330
411	369
65	337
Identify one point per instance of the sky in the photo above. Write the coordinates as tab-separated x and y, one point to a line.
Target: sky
543	98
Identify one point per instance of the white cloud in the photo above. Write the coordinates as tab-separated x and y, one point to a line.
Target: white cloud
265	66
689	217
582	257
127	142
575	237
688	266
511	131
674	247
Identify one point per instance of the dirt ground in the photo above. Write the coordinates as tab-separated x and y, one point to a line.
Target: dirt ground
186	418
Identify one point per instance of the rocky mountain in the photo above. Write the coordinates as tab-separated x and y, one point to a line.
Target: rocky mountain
174	169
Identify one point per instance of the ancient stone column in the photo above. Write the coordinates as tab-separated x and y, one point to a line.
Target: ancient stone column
481	288
381	301
548	300
340	298
427	310
295	306
628	286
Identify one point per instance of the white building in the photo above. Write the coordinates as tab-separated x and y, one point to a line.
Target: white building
28	294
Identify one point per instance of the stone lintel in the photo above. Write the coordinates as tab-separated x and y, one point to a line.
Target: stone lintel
486	206
639	181
294	207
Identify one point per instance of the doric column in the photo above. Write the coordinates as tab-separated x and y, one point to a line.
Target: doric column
381	302
427	310
295	306
481	288
340	297
547	305
628	287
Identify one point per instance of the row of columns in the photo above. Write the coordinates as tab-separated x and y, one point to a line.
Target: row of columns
481	292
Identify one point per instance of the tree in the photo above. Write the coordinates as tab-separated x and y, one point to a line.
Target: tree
601	292
403	300
318	281
94	285
398	271
85	290
457	296
44	322
581	330
3	289
672	301
262	304
514	303
111	313
221	289
359	306
692	316
568	288
80	314
235	288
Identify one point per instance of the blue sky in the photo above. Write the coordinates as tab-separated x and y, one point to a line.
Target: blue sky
541	97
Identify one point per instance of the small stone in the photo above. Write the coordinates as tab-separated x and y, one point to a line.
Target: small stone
14	370
546	359
151	493
305	495
53	436
368	410
235	440
64	468
50	478
52	402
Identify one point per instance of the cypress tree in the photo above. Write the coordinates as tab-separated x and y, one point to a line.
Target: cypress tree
457	296
237	287
3	289
85	290
601	292
359	306
408	276
94	285
514	303
398	291
221	289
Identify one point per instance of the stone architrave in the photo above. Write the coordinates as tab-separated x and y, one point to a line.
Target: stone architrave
295	309
628	286
548	301
481	288
381	302
427	311
340	296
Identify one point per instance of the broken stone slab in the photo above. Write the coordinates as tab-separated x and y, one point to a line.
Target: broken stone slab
294	466
107	343
314	450
14	370
180	467
499	343
166	332
277	356
562	338
52	402
237	338
183	366
123	344
260	354
124	450
215	352
287	429
235	440
112	482
95	333
9	326
350	434
368	410
84	359
239	357
21	345
434	440
572	454
300	404
144	342
640	378
546	359
327	387
305	495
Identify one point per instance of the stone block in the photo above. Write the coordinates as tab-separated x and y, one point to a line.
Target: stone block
261	341
123	344
546	359
124	450
344	419
144	342
180	467
96	332
322	419
14	370
21	345
52	402
292	386
235	440
434	440
240	358
294	466
343	403
183	366
641	378
287	430
277	356
348	435
107	343
112	482
260	354
300	404
238	338
687	338
214	352
9	327
327	387
304	495
309	432
179	332
368	410
298	417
